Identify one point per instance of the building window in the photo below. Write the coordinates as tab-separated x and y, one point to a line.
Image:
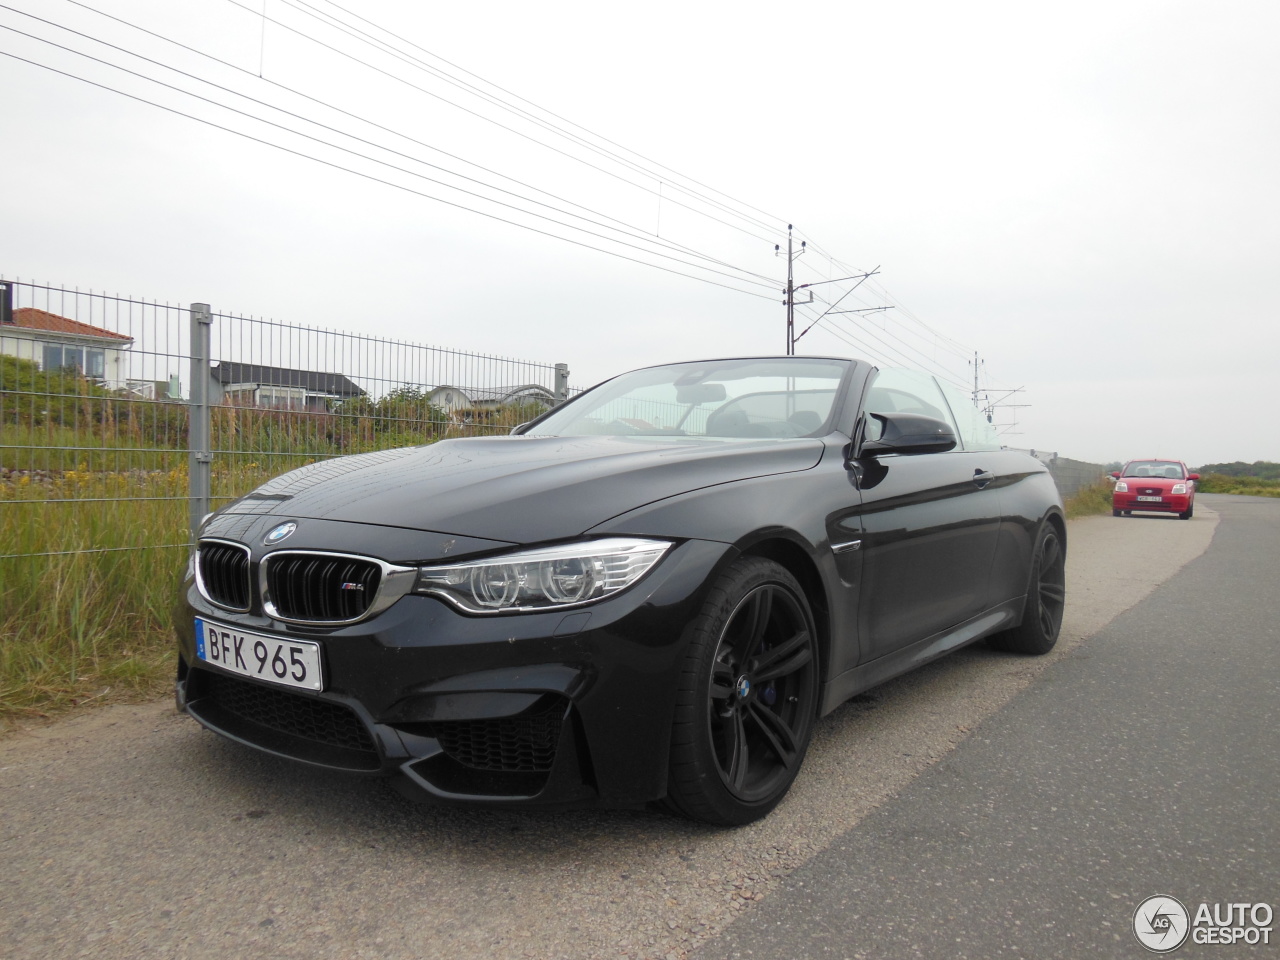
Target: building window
282	398
91	363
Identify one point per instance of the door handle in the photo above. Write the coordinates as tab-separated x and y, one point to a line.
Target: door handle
982	477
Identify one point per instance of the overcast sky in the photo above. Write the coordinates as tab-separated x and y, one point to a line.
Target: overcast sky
1084	195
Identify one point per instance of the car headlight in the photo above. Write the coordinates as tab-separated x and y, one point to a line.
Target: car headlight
1179	488
566	575
1121	487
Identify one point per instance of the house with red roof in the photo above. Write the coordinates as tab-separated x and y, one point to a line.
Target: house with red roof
59	343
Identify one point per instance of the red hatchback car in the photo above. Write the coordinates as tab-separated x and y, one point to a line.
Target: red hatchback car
1161	486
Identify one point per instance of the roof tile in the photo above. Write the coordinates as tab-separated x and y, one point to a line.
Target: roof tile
29	318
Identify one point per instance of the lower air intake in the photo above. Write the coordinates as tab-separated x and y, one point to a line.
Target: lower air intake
524	744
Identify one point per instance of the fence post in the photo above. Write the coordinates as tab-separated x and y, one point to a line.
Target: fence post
562	382
199	456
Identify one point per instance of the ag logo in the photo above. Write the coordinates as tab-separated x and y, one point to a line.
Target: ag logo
279	533
1161	924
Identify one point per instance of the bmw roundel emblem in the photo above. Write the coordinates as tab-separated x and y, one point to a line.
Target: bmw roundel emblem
278	533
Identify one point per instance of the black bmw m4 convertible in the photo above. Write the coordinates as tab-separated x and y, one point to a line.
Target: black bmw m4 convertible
650	593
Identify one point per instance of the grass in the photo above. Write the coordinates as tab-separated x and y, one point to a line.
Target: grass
1088	501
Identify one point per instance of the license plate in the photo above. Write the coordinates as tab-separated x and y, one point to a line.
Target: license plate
293	663
1151	499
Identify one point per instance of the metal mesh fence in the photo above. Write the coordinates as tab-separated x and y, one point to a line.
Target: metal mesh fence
111	412
90	445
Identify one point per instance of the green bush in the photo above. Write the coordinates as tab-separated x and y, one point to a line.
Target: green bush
1244	485
1261	469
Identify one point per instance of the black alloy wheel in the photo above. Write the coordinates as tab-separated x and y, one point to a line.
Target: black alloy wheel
748	697
1046	599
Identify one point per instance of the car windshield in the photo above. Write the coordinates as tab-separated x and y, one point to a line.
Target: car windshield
1155	468
778	398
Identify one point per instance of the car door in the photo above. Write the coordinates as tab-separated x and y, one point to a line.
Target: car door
928	524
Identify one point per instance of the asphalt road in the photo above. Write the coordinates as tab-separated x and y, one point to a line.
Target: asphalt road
130	832
1142	763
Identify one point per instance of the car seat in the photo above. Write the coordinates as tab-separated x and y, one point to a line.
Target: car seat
728	423
805	421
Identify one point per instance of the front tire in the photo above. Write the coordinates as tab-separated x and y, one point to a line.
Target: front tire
1186	514
1046	599
747	699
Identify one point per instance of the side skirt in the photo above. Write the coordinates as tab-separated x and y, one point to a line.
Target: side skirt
868	675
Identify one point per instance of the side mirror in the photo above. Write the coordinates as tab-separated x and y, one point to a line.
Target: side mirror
908	433
520	428
1193	476
1115	474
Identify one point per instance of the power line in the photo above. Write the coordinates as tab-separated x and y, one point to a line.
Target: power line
375	179
481	116
827	323
630	230
669	244
511	108
367	157
748	206
861	278
954	346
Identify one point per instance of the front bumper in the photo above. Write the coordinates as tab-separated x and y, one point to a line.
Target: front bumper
544	708
1169	503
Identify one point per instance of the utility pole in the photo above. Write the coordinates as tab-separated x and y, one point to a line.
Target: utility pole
790	289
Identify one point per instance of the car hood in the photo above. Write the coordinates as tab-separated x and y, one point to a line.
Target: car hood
518	489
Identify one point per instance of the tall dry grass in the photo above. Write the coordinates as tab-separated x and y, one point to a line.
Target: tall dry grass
93	539
1089	500
84	614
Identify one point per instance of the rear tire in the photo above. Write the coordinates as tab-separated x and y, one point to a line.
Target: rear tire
1046	598
747	698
